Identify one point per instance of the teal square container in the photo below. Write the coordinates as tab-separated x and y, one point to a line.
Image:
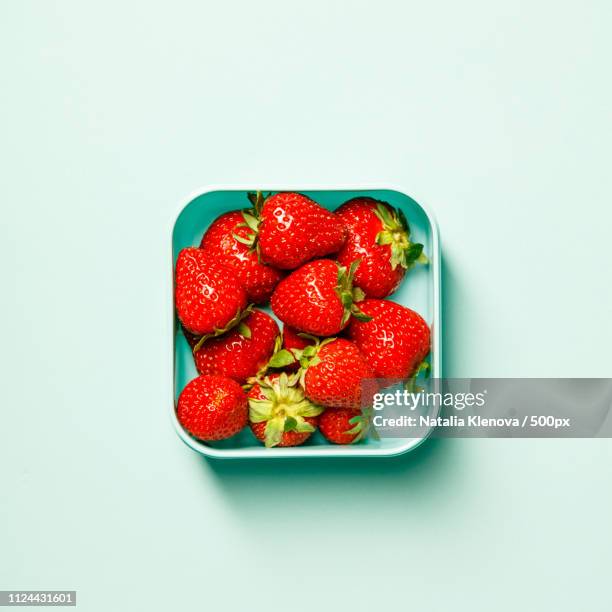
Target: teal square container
420	291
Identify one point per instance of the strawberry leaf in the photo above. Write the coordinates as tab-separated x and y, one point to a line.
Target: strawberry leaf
410	384
361	426
413	252
353	269
281	359
360	315
309	410
290	424
346	298
257	200
304	426
250	220
346	316
246	241
384	214
384	237
358	294
260	410
240	315
356	429
309	351
274	431
403	221
244	330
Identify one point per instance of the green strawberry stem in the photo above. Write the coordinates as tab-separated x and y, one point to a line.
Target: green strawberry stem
348	294
396	233
244	330
361	425
281	359
263	371
251	217
257	200
411	384
306	357
283	408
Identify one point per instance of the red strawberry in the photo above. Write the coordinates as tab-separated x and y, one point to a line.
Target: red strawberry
394	342
231	240
212	408
342	426
379	235
317	298
295	339
333	376
241	352
293	229
209	297
279	414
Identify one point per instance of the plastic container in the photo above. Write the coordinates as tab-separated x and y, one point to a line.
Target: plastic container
420	291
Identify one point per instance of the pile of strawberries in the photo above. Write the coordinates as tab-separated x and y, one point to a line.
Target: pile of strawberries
325	275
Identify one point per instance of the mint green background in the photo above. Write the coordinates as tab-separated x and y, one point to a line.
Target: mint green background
496	114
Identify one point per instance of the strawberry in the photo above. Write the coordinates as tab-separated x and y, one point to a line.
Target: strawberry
318	298
209	297
231	241
331	372
279	414
212	408
342	426
295	339
379	235
294	229
241	352
334	375
395	341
